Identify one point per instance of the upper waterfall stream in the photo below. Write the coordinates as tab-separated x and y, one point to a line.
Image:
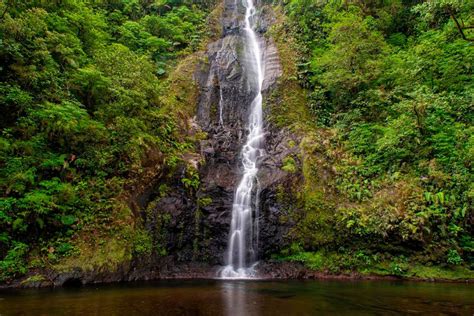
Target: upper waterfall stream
243	236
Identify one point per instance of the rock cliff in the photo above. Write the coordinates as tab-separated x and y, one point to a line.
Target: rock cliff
200	219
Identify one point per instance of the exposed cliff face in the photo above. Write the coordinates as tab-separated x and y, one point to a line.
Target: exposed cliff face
187	212
200	219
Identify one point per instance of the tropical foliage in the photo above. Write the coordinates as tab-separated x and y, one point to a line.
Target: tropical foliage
393	81
387	151
81	112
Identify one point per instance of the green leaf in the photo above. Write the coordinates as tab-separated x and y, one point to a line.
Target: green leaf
19	225
68	219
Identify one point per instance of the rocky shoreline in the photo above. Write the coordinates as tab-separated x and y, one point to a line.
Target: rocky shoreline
271	270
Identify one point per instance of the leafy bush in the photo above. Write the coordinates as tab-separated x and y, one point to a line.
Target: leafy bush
14	263
393	82
289	165
453	257
80	88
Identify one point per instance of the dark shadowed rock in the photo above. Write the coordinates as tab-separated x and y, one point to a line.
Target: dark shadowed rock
200	220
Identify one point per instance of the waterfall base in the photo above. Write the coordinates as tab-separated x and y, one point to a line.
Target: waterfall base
229	272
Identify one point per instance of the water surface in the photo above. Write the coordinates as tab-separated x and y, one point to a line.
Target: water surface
215	297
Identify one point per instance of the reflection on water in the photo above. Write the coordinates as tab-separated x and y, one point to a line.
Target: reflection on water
235	298
217	297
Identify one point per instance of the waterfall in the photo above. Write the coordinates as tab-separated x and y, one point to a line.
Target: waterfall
243	236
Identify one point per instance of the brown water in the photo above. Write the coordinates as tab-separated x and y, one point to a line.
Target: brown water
214	297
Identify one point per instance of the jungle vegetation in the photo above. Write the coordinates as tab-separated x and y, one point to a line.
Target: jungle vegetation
392	83
389	84
81	101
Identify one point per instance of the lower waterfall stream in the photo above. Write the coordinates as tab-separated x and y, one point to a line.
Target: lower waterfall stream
243	236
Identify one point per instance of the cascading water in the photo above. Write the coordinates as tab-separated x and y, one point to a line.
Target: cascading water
243	237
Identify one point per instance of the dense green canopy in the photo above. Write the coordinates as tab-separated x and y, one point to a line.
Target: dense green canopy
85	103
394	80
79	97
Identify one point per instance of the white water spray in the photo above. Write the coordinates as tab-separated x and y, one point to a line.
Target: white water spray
243	236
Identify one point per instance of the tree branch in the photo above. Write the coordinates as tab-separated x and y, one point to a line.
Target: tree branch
459	27
4	12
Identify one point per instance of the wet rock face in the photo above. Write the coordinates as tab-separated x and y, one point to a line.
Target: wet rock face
189	226
198	224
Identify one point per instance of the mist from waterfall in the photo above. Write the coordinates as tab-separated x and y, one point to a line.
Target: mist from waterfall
242	246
